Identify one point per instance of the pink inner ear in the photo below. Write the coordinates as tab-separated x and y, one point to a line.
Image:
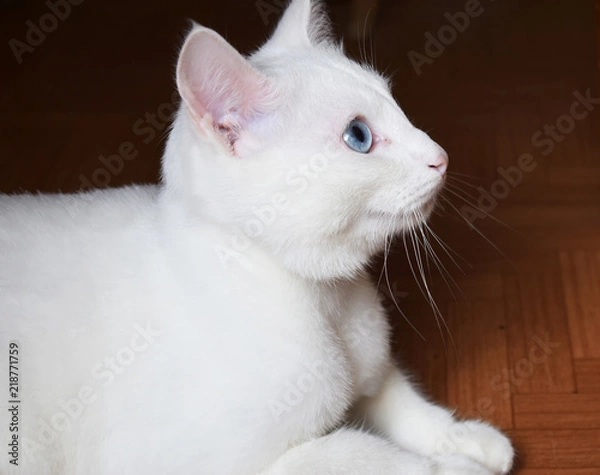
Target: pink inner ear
213	78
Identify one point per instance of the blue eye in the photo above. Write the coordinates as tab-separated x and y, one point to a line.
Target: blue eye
358	136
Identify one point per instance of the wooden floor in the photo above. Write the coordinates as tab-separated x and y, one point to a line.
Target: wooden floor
522	343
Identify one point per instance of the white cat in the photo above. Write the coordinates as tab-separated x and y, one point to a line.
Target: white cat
222	322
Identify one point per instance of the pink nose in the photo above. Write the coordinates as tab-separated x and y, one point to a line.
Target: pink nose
440	163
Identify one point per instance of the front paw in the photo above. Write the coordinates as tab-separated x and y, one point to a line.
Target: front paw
481	442
458	465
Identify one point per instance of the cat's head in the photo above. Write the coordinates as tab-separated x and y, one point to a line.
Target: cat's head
297	148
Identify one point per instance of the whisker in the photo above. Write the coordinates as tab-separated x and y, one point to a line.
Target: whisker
473	177
452	179
366	22
481	234
440	265
420	228
387	279
447	249
385	256
425	289
455	193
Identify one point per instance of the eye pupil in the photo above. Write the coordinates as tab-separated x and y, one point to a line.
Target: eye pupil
358	133
358	136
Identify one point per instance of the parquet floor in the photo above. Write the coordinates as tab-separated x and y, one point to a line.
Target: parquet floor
522	344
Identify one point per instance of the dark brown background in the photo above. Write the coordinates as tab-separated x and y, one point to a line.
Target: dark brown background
513	70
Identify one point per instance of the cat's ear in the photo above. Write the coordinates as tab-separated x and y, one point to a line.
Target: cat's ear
219	87
304	23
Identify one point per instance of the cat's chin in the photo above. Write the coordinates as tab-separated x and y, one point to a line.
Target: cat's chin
408	219
412	213
427	208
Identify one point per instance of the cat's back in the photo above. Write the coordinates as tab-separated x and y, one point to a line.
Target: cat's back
56	234
117	276
39	217
61	256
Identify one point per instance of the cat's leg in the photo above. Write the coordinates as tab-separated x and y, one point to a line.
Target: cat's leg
403	414
354	452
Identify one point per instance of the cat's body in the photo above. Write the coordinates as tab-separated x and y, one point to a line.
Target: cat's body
221	323
251	400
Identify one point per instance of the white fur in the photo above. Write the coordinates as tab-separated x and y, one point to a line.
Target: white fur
208	351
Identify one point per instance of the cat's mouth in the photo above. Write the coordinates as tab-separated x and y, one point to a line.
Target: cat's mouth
425	203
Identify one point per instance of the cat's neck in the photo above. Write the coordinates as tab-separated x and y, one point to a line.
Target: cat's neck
184	153
191	167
